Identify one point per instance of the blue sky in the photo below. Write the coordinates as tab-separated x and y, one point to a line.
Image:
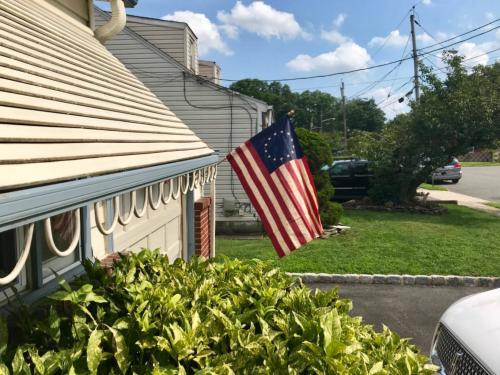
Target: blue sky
289	38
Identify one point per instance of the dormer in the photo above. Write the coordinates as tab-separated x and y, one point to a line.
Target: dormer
172	37
209	70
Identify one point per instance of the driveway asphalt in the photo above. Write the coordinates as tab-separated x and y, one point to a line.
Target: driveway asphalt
411	311
480	182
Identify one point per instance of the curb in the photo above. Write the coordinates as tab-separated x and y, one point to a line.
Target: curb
421	280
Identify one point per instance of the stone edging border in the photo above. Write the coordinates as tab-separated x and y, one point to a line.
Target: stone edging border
424	280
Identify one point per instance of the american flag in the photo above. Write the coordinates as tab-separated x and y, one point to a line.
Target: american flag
274	173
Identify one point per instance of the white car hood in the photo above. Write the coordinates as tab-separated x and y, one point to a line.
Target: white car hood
475	322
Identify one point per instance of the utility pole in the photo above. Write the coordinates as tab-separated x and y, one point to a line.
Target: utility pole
415	57
344	114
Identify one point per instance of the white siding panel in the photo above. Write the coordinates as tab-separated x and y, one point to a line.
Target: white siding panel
70	109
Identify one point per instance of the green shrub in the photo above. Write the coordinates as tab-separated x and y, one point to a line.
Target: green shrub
149	317
318	151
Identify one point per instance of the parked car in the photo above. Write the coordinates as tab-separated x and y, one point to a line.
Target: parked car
468	335
351	178
450	172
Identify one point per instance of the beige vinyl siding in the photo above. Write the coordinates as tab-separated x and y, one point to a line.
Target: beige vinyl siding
77	9
70	109
169	39
164	77
209	70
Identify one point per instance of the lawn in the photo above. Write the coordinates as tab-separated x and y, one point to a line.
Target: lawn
493	204
479	164
462	242
433	187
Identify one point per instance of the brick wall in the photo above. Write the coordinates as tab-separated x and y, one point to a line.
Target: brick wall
202	226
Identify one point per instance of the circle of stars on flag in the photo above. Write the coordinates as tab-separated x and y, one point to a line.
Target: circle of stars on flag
270	140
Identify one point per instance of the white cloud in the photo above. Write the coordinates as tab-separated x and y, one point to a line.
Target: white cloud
339	20
334	36
262	19
231	31
394	39
427	2
469	50
424	38
209	37
345	57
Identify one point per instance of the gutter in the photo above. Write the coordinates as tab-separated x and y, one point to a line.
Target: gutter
116	23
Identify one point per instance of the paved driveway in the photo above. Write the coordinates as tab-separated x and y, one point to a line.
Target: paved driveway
411	311
479	182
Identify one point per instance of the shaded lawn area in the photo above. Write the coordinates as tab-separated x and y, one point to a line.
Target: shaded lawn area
462	242
493	204
433	187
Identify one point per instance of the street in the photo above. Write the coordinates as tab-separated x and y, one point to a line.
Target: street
411	311
479	182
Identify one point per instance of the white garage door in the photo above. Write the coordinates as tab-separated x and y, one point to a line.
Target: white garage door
157	229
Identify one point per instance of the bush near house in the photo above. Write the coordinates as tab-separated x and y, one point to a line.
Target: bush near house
149	317
319	153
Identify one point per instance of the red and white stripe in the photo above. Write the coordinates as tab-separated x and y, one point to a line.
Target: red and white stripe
284	199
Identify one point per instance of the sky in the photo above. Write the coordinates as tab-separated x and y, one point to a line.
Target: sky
274	39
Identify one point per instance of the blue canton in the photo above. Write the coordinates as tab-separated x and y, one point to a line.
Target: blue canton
277	144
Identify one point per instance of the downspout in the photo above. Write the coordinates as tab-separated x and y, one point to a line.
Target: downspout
115	24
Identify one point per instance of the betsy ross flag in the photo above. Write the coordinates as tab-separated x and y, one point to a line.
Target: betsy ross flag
274	173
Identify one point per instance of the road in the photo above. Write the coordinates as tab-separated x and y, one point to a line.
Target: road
411	311
479	182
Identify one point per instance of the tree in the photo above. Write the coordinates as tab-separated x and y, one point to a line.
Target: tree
276	94
364	115
454	114
314	110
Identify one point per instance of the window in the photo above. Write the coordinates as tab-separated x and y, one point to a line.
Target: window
33	275
10	247
63	229
192	61
341	169
361	168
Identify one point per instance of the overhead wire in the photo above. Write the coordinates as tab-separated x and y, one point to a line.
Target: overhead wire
460	35
369	67
389	35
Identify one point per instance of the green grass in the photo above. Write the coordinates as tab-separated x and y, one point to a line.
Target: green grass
493	204
462	242
479	164
433	187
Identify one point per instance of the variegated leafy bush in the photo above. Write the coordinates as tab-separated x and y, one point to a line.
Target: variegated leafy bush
203	317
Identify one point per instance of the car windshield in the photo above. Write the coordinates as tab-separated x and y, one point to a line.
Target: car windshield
340	169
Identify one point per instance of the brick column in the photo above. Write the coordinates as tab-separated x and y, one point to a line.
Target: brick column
202	226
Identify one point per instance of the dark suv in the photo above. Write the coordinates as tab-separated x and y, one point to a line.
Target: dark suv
351	178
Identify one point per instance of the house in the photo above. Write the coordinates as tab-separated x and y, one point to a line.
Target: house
91	161
209	70
164	55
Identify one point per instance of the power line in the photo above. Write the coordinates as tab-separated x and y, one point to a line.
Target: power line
399	88
389	35
460	35
350	84
369	67
366	89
